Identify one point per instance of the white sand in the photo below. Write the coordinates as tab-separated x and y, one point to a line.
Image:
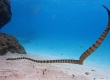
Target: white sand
28	70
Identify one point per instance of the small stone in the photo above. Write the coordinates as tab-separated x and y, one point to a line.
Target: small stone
73	75
93	70
87	73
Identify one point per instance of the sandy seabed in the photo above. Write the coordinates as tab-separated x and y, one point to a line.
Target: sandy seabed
28	70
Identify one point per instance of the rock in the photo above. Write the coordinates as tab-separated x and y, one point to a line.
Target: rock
10	43
5	12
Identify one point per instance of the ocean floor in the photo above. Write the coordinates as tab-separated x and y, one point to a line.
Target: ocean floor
28	70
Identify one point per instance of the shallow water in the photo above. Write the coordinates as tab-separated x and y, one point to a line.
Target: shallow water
61	28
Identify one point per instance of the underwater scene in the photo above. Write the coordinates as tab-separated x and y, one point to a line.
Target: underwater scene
58	40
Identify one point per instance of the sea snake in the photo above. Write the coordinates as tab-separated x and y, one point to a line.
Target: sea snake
83	56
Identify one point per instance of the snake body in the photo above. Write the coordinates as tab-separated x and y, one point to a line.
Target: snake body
48	61
83	56
99	41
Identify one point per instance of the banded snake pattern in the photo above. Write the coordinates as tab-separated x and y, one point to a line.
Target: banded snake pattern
83	56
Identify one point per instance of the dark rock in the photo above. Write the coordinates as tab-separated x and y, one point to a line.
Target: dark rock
10	43
5	12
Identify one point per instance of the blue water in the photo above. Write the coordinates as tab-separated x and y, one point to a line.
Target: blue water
64	28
